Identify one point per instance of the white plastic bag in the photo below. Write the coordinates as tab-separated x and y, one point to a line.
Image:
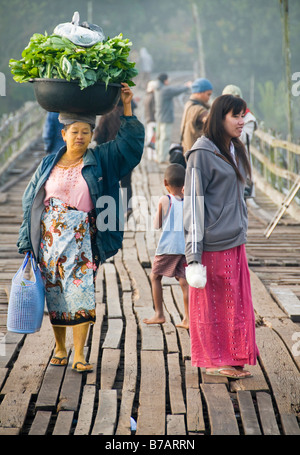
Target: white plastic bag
85	35
196	275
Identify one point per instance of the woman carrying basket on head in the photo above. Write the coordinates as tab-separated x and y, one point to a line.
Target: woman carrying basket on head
62	204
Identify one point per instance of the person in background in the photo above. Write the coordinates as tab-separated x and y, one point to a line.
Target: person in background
222	322
249	119
149	114
195	113
169	257
52	137
246	137
145	64
164	113
105	131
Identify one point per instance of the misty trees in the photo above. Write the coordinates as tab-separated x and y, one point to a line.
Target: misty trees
242	40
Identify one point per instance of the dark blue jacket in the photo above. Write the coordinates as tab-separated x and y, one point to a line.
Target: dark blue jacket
103	168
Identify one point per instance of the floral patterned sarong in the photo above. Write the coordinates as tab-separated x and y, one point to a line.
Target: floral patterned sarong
69	262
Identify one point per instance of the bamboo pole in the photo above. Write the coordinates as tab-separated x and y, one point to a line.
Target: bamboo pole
199	40
287	57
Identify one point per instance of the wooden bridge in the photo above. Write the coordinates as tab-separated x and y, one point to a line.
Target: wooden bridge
143	374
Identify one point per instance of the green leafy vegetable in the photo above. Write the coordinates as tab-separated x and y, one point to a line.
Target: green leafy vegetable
52	56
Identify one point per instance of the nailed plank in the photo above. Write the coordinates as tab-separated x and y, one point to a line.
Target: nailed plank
175	385
266	414
280	369
185	343
13	409
191	375
141	249
170	336
8	352
290	334
151	334
48	393
248	414
150	245
263	303
28	370
290	424
287	300
178	298
124	423
3	374
40	423
95	343
63	423
152	409
142	289
170	306
221	414
70	391
130	368
85	415
109	366
9	431
194	411
183	335
130	346
257	382
99	285
175	425
112	291
105	420
122	272
113	334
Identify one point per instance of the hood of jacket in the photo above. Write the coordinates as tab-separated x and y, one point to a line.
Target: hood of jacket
203	143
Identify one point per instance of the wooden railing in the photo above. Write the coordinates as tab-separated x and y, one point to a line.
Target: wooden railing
276	165
18	132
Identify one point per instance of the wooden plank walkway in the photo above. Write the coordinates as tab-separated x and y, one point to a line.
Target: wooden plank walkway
143	374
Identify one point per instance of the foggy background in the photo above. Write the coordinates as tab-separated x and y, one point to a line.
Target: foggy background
242	43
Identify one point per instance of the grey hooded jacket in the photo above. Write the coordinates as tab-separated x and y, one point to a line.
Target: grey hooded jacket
215	213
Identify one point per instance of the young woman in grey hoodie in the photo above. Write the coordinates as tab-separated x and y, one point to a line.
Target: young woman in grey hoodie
222	323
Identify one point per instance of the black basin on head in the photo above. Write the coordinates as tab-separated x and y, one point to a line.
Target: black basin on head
59	95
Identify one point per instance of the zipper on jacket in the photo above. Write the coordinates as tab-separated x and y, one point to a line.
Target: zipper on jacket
193	202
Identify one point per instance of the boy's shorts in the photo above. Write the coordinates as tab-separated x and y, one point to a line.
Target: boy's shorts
169	265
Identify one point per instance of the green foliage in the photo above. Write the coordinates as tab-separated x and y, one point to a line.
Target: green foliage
57	57
272	105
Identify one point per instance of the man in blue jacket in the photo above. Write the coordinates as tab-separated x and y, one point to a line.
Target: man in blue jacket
164	113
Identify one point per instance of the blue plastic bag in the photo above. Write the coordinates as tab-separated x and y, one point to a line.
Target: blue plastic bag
26	301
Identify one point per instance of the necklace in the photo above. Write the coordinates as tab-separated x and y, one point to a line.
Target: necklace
72	164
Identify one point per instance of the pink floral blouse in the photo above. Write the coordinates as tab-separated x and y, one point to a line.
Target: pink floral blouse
68	185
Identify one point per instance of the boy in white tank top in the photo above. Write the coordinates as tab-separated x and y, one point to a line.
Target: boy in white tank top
170	253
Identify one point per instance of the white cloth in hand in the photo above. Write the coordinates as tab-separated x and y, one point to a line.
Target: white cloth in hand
196	275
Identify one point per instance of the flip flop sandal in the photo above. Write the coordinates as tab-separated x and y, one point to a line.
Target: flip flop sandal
59	364
247	375
217	372
82	370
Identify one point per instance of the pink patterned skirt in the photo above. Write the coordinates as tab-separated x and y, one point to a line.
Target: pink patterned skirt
222	322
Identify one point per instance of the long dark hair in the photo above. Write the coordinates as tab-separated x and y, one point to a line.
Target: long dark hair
214	129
